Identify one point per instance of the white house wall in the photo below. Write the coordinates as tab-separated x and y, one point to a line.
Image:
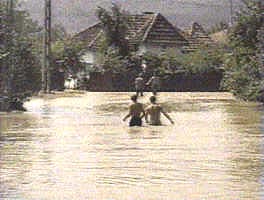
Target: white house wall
158	49
88	57
91	57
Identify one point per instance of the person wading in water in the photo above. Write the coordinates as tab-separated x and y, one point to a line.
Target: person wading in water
154	83
154	110
136	112
139	85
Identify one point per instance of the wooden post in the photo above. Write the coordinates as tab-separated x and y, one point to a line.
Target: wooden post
261	36
231	13
46	82
10	46
5	67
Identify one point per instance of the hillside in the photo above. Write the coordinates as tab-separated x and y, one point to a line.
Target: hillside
76	15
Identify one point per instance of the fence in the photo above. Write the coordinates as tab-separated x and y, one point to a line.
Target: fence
177	82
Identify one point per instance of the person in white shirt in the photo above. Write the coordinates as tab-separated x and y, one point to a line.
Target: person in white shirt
139	85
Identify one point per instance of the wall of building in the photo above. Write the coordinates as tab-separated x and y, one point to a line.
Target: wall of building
181	82
157	49
89	57
100	82
178	82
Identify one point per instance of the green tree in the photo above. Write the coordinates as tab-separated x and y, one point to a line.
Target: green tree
115	25
67	54
203	60
243	74
20	66
249	20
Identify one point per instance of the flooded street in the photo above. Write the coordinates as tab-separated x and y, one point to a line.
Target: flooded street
77	147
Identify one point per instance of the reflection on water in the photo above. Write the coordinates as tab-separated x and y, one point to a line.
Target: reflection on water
75	146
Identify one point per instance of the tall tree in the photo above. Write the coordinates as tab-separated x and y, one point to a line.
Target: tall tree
3	50
245	32
20	65
115	25
243	73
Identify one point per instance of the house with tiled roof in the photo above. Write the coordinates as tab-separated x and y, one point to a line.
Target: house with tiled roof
197	37
147	32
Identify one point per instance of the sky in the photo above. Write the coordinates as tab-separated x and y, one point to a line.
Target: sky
76	15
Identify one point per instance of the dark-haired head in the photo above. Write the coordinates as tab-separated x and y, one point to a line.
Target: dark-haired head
152	99
134	98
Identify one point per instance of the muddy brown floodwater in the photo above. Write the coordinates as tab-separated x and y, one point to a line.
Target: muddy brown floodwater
76	147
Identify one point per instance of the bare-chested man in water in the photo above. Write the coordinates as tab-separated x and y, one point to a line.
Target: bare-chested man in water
136	112
154	111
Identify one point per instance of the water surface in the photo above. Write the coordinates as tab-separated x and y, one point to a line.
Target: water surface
75	146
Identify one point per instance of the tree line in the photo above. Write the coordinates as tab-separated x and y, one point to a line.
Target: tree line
20	61
21	54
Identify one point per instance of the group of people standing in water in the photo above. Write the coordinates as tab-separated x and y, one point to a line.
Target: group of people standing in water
153	112
154	83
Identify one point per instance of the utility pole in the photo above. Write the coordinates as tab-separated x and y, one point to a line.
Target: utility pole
10	46
261	36
46	82
231	12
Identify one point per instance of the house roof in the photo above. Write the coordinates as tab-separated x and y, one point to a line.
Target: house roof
89	35
220	37
198	37
148	27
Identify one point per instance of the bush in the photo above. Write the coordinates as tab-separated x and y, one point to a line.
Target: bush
243	73
21	67
203	60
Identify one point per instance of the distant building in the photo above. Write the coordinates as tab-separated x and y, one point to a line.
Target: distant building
198	37
220	37
147	32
